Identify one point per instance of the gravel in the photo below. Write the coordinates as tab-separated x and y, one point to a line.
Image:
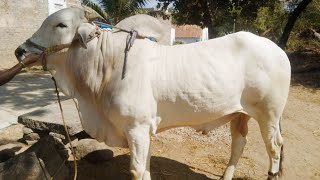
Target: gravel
218	134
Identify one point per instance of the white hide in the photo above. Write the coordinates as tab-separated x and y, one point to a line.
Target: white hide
201	85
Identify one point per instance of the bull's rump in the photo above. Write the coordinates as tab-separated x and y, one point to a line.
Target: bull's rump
197	83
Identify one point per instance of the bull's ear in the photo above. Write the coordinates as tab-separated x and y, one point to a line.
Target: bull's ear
83	33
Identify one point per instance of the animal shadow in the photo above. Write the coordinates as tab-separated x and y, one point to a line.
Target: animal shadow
118	169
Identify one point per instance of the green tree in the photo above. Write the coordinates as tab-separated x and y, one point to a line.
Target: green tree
291	21
304	33
116	10
95	7
270	21
200	12
219	16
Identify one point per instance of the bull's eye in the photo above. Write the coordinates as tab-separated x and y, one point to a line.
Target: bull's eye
61	25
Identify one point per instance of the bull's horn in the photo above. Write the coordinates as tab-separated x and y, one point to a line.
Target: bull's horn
91	14
91	17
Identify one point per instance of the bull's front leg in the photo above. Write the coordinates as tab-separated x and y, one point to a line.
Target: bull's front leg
139	144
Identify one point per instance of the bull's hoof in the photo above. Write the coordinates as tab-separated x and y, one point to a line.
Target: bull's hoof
225	178
140	176
273	176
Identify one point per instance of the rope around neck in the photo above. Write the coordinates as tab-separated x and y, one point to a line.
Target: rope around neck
67	131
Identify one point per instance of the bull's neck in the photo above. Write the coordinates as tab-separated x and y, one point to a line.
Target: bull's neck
91	68
58	69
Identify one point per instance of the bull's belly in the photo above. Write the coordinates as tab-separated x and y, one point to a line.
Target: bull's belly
202	118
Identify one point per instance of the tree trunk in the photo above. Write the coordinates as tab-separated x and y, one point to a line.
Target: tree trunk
291	21
208	19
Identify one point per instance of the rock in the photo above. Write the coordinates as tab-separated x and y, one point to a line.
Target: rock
27	130
53	154
11	134
56	135
93	151
11	146
8	151
31	142
23	166
49	119
83	135
31	136
74	143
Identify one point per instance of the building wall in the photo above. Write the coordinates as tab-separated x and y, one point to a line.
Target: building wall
187	40
73	3
19	19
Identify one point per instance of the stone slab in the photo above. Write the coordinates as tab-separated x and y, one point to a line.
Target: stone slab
49	118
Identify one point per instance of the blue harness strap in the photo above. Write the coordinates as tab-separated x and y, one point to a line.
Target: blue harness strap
108	26
104	26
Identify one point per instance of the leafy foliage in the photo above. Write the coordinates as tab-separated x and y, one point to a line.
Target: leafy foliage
302	36
218	15
95	7
270	21
264	17
116	10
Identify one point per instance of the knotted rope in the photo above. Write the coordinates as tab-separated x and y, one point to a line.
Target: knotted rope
129	43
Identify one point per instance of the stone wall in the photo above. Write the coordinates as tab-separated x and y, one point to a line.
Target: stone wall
74	3
19	19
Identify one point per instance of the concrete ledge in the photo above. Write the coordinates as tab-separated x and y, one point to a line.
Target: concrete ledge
49	118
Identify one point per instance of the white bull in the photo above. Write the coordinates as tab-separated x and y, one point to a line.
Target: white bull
201	85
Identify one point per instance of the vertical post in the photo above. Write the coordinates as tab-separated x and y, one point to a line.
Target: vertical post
172	36
205	34
234	25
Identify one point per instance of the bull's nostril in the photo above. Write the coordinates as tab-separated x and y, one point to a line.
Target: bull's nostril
19	52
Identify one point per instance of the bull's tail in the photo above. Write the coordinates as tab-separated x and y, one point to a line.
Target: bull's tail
281	152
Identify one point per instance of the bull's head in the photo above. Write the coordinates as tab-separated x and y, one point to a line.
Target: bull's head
62	27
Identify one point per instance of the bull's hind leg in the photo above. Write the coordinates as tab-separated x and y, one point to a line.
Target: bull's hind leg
271	134
139	144
239	130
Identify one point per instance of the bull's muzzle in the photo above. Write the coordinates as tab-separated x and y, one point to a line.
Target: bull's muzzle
19	52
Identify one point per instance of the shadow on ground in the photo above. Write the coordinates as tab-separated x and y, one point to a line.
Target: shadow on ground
118	169
27	91
305	68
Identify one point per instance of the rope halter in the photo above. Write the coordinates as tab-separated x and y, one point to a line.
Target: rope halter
47	51
53	49
132	35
